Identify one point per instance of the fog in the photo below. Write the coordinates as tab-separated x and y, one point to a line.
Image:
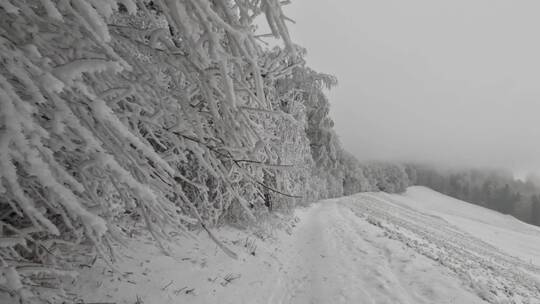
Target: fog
451	82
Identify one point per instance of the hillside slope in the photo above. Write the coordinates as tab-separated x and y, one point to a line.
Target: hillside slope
500	230
420	247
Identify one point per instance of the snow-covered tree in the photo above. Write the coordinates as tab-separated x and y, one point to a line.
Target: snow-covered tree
165	110
167	114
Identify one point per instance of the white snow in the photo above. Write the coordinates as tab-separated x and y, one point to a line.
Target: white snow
8	7
503	231
74	70
105	7
130	5
420	247
93	19
12	241
51	10
10	278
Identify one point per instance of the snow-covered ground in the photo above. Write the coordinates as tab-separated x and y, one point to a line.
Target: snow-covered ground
503	231
420	247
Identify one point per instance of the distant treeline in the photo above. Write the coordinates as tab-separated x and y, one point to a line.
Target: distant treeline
494	189
498	190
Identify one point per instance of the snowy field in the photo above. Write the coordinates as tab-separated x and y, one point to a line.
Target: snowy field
420	247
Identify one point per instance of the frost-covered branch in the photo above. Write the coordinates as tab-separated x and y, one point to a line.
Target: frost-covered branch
94	96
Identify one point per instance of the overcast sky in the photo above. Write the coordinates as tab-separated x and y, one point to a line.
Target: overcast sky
453	82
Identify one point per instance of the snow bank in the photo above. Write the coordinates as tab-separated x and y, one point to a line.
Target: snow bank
196	271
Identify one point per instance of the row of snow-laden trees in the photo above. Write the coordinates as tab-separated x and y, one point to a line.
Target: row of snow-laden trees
169	114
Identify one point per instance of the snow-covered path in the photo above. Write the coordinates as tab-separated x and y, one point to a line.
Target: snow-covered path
420	247
338	257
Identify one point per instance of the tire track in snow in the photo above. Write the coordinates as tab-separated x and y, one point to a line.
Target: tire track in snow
493	275
339	257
